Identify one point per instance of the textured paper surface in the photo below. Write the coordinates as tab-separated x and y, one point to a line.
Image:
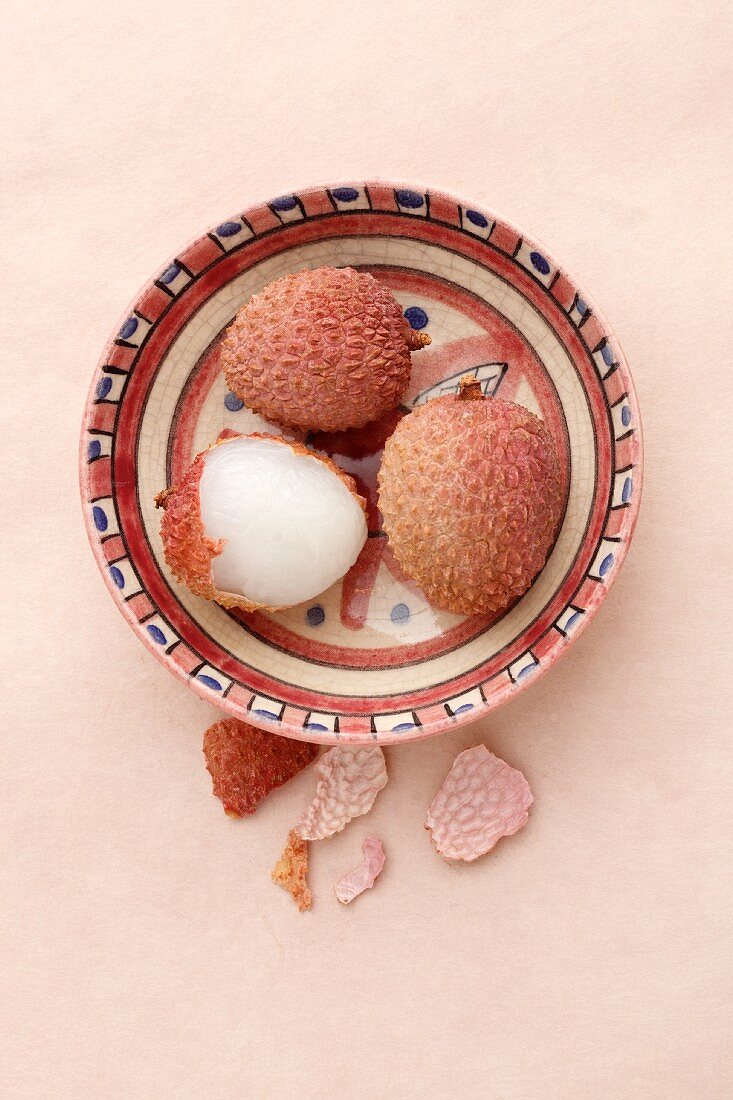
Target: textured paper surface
144	951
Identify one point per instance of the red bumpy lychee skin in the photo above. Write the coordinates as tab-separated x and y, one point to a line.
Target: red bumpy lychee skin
471	495
325	350
246	764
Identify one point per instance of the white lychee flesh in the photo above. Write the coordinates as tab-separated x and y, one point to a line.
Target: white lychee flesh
290	526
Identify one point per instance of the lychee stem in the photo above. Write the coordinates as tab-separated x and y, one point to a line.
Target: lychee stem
161	498
469	388
417	340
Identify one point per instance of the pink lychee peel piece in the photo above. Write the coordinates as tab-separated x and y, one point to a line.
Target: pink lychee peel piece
365	875
481	800
349	779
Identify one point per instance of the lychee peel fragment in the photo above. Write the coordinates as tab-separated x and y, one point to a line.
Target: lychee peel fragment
365	875
349	779
291	871
188	550
481	800
246	763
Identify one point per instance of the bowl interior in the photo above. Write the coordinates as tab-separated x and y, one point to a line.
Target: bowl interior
370	658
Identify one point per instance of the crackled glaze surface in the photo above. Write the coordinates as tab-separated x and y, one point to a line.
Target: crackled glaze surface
369	659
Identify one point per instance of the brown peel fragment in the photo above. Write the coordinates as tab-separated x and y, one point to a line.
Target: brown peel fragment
291	869
417	340
246	763
469	388
481	800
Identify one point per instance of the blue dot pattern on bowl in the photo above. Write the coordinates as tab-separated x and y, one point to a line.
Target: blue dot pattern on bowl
285	202
607	355
315	615
410	199
345	194
170	274
605	564
539	263
209	681
526	671
156	634
581	307
266	714
116	575
129	328
316	726
100	518
626	491
104	385
626	416
416	317
400	613
477	218
572	620
464	707
228	229
233	403
94	449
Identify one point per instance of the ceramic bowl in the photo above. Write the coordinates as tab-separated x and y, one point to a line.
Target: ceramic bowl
369	659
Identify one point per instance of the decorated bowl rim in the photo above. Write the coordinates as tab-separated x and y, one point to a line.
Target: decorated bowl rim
451	720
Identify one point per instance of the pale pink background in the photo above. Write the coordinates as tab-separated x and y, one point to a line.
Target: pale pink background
144	951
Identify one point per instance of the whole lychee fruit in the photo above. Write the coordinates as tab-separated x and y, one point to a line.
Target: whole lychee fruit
258	522
471	495
325	350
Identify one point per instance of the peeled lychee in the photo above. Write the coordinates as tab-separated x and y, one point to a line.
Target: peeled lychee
471	495
324	350
258	522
